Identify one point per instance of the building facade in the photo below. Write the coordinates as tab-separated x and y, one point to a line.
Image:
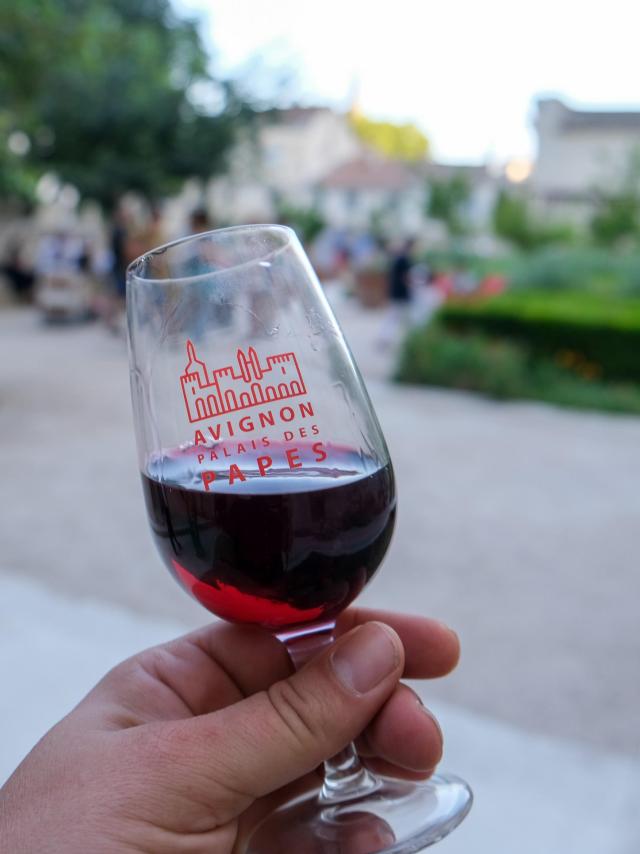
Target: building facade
312	158
282	162
581	153
370	191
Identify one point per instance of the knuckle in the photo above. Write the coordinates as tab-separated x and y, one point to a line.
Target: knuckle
296	713
126	679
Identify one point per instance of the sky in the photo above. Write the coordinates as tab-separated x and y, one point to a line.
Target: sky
466	73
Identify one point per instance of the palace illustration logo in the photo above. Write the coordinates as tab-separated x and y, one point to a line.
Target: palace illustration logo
230	389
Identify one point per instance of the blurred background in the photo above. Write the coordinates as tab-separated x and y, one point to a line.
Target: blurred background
466	180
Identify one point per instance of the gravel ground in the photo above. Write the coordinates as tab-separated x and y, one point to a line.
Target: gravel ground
518	524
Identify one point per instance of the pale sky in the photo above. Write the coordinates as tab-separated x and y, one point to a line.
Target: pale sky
465	72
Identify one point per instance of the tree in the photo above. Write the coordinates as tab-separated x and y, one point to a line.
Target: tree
307	222
616	217
446	202
17	179
514	222
511	220
399	142
617	211
111	94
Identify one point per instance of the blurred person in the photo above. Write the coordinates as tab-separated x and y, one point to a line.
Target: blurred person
398	313
443	283
344	270
19	241
323	252
180	747
127	243
149	236
199	221
206	256
365	248
465	280
426	296
61	252
62	275
113	303
203	253
18	272
119	243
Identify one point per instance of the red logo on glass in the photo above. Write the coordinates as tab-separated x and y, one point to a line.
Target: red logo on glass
230	389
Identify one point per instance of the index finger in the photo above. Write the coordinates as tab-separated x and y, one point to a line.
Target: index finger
431	648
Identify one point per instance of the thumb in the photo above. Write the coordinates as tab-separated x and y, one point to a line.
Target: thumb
259	744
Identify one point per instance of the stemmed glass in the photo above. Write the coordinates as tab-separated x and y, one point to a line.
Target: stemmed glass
269	487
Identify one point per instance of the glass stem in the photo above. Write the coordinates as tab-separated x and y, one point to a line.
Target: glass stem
345	777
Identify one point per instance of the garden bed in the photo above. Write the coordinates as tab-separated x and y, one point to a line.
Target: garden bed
506	369
597	336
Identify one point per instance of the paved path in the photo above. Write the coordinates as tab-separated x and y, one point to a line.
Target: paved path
518	523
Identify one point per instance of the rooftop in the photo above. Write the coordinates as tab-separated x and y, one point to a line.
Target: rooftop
595	120
571	120
370	172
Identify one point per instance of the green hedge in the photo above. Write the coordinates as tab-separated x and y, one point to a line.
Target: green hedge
504	370
602	334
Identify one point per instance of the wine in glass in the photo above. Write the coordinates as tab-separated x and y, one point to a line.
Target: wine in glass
269	486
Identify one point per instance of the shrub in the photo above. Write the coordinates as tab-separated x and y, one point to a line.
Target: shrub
307	222
504	370
471	362
446	201
602	332
576	268
562	268
617	218
514	222
440	260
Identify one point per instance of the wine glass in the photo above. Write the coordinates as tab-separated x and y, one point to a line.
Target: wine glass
269	487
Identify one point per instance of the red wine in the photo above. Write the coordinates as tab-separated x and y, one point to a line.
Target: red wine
280	545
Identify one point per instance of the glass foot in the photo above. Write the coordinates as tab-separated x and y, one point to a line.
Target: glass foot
399	817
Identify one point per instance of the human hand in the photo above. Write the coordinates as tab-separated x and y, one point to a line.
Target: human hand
173	747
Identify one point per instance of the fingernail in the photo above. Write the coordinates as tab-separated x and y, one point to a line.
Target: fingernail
365	658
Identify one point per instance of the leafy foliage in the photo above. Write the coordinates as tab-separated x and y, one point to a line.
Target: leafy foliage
617	213
513	221
307	222
601	333
586	268
506	370
446	202
17	178
617	217
105	91
400	142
